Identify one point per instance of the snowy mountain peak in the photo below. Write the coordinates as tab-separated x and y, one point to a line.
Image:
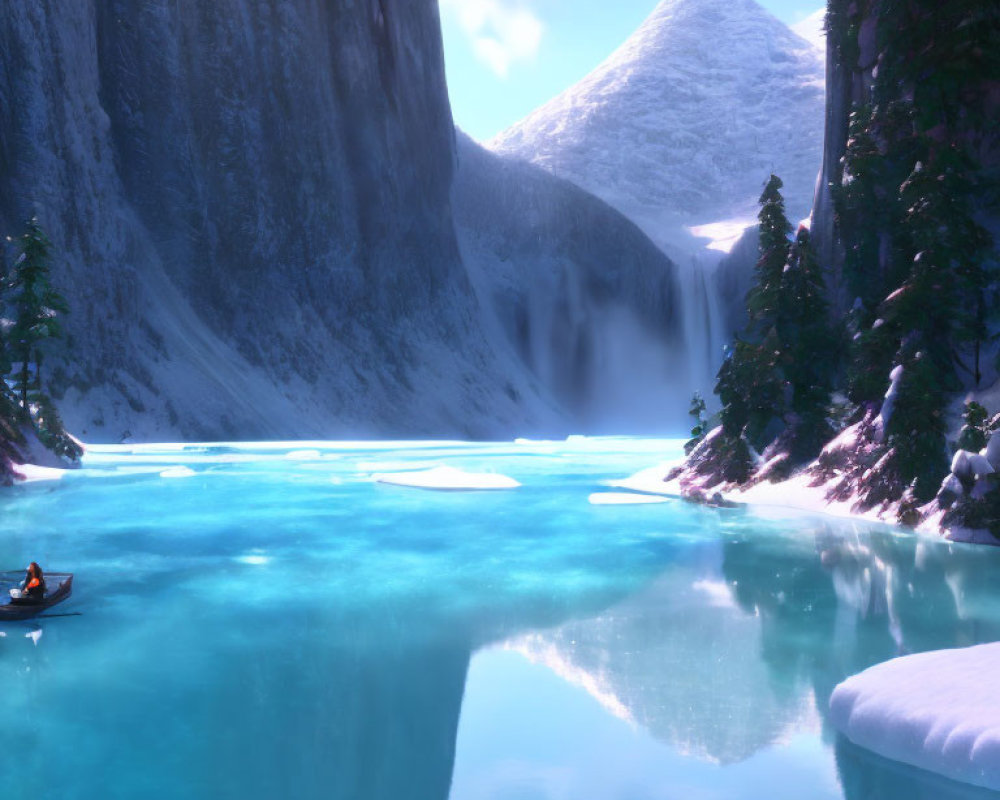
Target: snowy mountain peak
813	29
683	123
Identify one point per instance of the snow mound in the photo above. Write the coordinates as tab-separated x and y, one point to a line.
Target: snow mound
939	711
649	481
177	472
448	478
624	499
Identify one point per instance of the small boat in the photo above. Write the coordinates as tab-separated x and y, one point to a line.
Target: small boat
59	586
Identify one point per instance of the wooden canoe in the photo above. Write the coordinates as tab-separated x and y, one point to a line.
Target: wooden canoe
59	586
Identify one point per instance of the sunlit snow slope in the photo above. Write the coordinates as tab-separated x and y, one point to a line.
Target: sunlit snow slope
813	29
681	125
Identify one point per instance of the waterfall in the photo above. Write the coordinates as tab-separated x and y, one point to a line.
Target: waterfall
704	326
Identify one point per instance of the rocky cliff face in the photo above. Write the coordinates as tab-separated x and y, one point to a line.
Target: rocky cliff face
577	292
250	202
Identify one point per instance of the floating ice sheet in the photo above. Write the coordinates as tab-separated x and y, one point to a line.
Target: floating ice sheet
177	472
447	478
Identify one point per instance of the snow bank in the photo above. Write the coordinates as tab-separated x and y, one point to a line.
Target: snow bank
624	499
795	494
650	481
447	478
30	473
939	711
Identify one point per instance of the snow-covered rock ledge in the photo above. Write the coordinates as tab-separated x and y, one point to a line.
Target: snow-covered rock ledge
939	711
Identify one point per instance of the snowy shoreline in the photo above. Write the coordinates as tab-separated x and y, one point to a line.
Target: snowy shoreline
795	495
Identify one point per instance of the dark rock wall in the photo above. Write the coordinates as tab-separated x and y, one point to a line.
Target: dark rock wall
250	205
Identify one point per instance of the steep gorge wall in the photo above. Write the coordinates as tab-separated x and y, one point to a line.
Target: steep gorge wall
578	292
250	206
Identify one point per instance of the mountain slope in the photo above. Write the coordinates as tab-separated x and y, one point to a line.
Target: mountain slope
683	123
813	29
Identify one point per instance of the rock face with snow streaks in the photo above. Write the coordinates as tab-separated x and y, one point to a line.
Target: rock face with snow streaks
250	202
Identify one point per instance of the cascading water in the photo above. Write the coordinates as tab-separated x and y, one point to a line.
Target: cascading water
705	330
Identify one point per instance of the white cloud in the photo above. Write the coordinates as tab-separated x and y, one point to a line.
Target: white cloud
502	32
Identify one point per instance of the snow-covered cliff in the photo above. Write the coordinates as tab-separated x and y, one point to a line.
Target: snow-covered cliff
250	202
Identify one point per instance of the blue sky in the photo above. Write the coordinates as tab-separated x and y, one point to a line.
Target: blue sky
504	58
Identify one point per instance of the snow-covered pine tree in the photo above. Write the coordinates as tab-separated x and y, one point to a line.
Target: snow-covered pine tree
915	432
973	435
37	306
927	316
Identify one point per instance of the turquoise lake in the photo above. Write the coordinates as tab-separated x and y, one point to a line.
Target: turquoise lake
271	623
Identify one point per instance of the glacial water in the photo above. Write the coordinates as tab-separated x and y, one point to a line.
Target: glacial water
264	621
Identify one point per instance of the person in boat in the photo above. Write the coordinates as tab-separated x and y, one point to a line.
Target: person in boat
34	583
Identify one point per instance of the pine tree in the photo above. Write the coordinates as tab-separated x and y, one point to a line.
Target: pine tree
941	225
751	385
10	434
763	302
51	431
973	435
700	427
751	390
37	306
809	348
916	429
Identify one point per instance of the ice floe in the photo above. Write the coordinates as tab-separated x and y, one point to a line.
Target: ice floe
303	455
446	478
178	472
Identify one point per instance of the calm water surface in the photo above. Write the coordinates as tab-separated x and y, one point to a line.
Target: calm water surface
262	621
